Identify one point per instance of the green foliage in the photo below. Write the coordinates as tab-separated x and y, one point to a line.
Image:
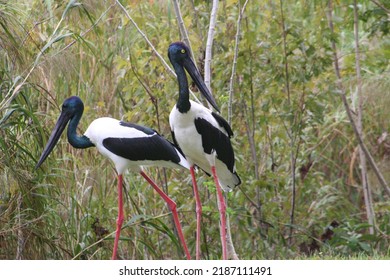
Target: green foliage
88	48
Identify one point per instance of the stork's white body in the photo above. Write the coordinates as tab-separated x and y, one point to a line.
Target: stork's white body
190	141
104	128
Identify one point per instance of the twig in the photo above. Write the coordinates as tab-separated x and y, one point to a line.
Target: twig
88	30
148	91
381	6
234	66
182	28
196	17
341	90
284	36
146	39
251	137
151	46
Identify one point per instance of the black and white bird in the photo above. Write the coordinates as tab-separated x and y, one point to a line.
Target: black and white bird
127	145
203	136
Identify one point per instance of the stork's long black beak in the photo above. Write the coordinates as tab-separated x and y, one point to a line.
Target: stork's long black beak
54	137
197	78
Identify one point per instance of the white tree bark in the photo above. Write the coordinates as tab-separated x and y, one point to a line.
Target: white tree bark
209	44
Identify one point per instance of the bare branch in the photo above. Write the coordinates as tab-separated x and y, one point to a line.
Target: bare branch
182	28
234	66
209	44
381	6
151	45
146	39
88	30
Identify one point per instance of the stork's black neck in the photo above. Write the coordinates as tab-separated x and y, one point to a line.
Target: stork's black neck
183	103
77	141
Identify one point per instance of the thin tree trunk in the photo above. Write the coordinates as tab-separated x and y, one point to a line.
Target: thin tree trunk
252	144
290	131
366	187
341	90
209	44
234	66
207	79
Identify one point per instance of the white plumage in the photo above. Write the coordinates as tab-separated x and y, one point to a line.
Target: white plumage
190	142
103	128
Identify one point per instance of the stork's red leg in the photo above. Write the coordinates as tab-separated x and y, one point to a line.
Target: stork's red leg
119	221
222	213
172	206
198	210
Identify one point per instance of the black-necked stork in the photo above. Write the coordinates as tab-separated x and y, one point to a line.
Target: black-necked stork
203	136
127	145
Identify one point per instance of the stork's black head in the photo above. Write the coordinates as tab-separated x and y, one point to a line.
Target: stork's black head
178	52
180	56
72	108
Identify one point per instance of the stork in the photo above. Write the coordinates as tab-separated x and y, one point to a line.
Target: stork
203	136
127	145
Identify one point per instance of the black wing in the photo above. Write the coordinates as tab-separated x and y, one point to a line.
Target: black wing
214	139
222	122
144	129
143	148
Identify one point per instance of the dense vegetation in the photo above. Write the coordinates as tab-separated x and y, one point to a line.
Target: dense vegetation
296	152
